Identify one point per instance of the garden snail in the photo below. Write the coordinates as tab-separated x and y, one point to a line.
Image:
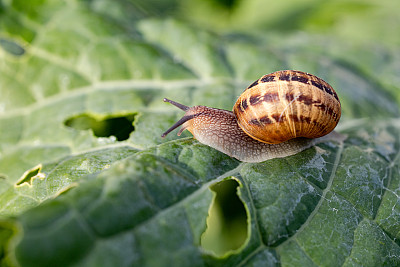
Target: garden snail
278	115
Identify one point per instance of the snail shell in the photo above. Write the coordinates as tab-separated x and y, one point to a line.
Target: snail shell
287	104
278	115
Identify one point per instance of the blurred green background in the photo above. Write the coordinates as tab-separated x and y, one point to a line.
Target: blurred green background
358	21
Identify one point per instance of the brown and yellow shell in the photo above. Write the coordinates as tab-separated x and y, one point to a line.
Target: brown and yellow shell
287	104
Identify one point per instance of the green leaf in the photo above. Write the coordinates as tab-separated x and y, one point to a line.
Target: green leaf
87	180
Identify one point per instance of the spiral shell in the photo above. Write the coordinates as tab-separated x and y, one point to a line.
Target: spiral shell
287	104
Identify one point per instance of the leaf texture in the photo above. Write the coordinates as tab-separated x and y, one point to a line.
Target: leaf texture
70	197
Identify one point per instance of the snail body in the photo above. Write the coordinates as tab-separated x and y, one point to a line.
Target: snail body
278	115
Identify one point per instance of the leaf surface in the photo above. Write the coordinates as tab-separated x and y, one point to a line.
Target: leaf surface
74	197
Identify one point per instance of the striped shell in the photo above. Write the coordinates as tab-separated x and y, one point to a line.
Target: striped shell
287	104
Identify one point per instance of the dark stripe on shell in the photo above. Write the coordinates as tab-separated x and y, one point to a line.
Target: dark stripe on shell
267	78
243	104
326	109
271	97
255	122
303	77
318	84
285	77
278	117
304	119
253	84
262	121
335	95
330	91
307	100
319	105
300	79
326	88
255	99
300	119
289	97
266	120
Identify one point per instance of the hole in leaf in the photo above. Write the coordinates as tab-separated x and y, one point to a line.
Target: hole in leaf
28	176
12	47
227	224
120	126
66	189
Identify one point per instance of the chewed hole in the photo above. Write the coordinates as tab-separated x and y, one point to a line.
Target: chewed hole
227	224
11	47
118	126
28	176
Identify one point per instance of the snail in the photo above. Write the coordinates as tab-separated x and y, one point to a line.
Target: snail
278	115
